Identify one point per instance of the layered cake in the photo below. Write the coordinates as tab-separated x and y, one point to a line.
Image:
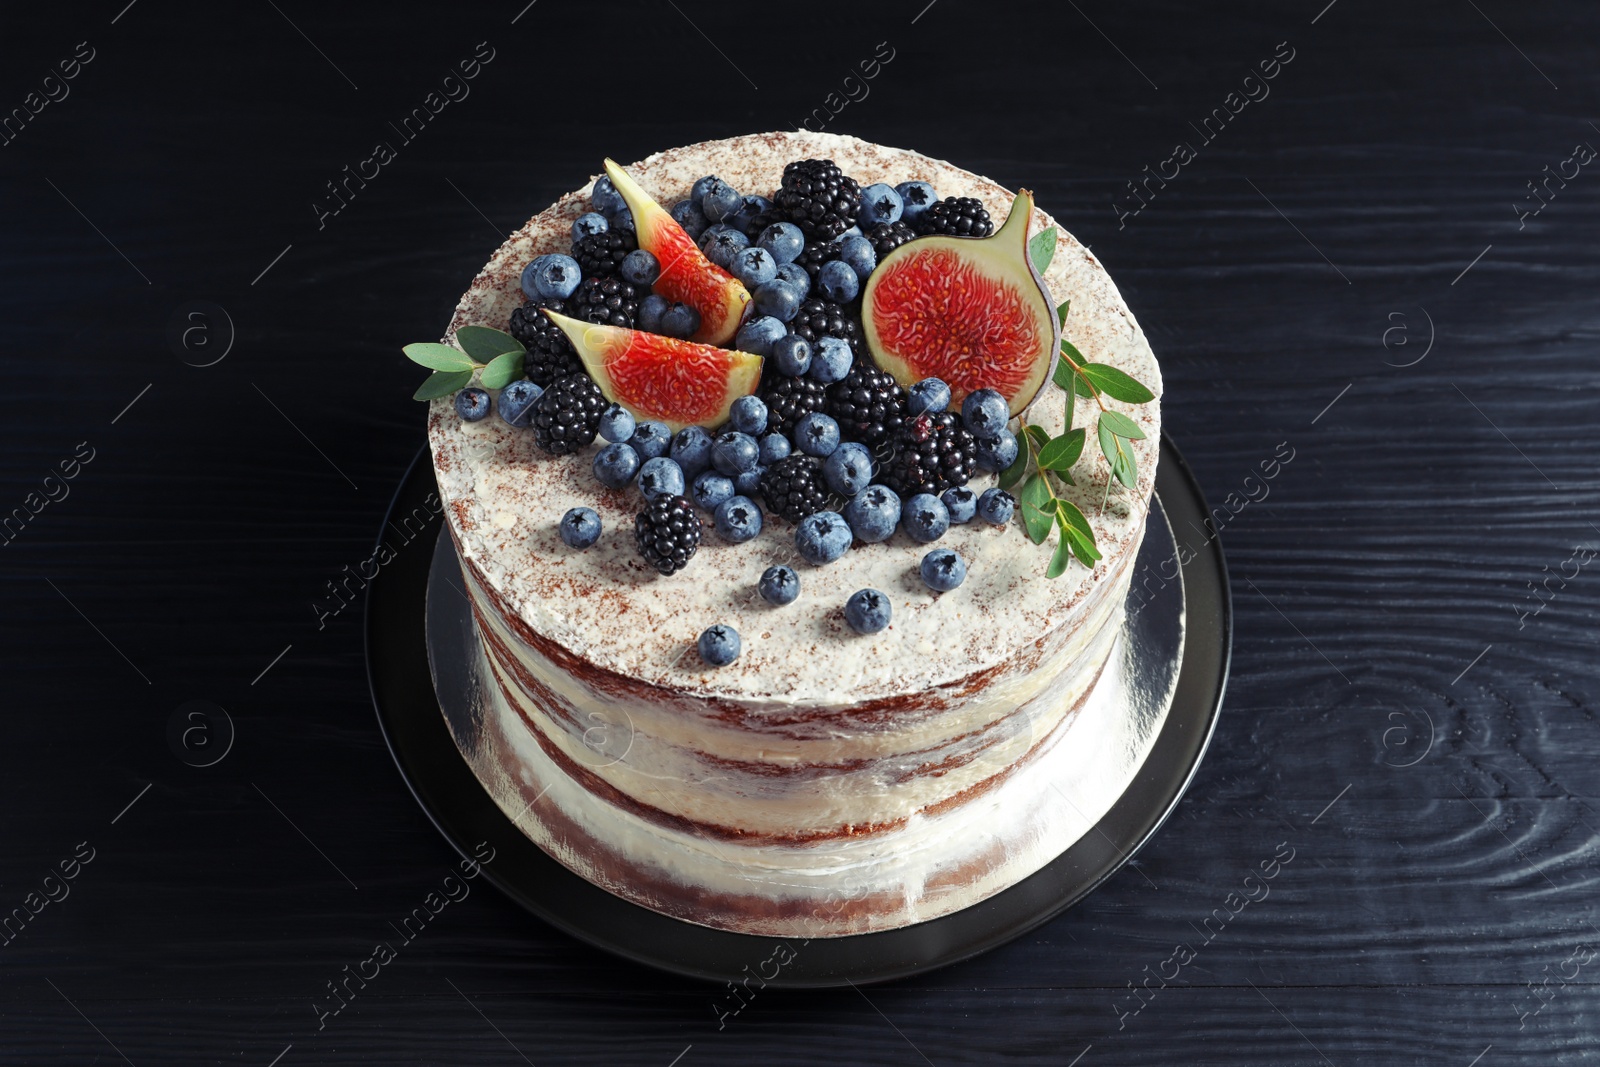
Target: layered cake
765	645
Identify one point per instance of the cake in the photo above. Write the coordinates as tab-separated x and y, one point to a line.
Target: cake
825	782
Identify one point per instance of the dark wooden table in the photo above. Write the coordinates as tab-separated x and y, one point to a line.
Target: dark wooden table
1352	271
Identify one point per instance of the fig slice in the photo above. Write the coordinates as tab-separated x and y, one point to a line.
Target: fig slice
687	276
971	311
662	379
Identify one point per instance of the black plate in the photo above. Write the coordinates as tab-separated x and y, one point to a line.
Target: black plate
414	726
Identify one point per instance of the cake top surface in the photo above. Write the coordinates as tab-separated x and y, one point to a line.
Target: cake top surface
504	499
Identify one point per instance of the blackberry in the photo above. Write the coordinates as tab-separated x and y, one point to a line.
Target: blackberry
793	487
818	198
567	416
813	256
607	302
932	453
667	532
821	318
956	216
885	237
868	404
600	255
789	400
550	354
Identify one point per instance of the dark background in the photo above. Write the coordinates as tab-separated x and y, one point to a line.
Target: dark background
1398	714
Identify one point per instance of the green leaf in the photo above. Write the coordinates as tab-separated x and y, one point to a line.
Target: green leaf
1072	397
1040	436
1121	425
435	356
503	370
442	383
1062	452
1087	554
1038	508
1061	311
1073	520
1060	560
483	343
1117	385
1019	467
1118	454
1042	249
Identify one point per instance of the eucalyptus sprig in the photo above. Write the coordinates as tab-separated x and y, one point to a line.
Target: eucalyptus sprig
1044	462
494	352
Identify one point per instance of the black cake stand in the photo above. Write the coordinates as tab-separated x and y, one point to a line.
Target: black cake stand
1179	575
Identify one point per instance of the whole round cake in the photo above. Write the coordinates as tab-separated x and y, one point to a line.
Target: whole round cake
765	645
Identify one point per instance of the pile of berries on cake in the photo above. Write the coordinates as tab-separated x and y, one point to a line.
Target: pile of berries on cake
758	310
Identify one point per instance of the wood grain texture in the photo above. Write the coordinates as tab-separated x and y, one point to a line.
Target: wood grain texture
1387	662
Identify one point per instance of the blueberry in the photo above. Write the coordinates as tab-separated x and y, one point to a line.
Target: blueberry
778	299
580	527
867	611
822	537
691	450
831	360
616	423
640	268
472	403
774	446
758	335
711	489
929	396
650	439
924	517
838	282
943	570
680	320
816	434
859	254
734	452
792	354
687	214
517	400
720	246
605	198
720	200
621	220
556	277
962	504
528	272
873	513
719	645
615	465
737	519
748	483
588	223
916	197
985	413
879	203
754	267
779	585
702	186
750	209
998	452
650	311
996	506
848	469
783	240
795	275
660	477
749	415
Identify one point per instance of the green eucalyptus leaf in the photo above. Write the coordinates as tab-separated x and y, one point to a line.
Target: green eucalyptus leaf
1038	508
483	343
1119	454
1081	387
442	383
1060	559
436	356
1072	397
1087	554
1117	385
1061	311
1121	425
1062	452
1042	249
1073	519
1040	436
503	370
